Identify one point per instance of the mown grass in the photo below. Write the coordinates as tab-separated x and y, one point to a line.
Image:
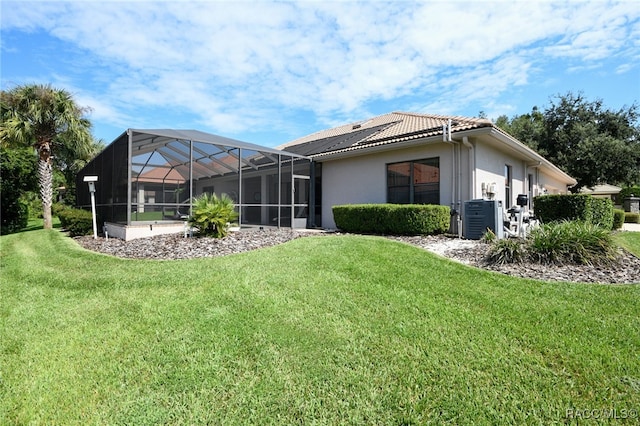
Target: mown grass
628	240
322	330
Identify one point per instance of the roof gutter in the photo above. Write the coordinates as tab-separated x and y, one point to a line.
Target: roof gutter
509	142
376	148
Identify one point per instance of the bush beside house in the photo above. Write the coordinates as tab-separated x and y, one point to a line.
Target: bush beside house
618	218
75	221
574	207
631	217
395	219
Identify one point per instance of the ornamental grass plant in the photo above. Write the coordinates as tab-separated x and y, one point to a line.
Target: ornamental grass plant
572	242
559	243
212	215
507	250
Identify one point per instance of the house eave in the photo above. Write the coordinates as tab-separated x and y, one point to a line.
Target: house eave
371	149
533	157
511	144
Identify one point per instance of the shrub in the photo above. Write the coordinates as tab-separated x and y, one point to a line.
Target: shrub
627	192
397	219
17	179
572	242
618	218
15	215
580	207
35	204
56	208
212	215
631	217
508	250
558	207
76	221
602	212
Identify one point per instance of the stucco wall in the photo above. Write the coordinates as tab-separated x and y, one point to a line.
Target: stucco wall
550	185
490	165
363	179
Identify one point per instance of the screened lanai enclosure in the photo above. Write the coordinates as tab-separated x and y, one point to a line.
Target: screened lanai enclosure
151	177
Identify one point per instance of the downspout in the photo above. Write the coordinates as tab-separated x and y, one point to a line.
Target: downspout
453	176
455	183
472	164
459	207
446	137
459	167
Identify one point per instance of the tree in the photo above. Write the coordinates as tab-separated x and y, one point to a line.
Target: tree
16	179
44	118
588	141
528	128
70	158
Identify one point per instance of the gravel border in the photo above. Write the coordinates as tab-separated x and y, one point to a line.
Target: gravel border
473	253
469	252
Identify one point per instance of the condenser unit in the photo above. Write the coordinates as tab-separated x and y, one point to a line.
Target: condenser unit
480	215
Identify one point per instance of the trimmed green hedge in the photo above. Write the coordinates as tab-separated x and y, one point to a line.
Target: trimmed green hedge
76	221
631	217
602	212
618	218
582	207
395	219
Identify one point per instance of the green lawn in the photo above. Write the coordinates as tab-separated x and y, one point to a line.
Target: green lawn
628	240
320	330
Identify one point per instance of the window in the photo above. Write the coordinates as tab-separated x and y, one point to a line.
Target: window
507	186
530	178
414	182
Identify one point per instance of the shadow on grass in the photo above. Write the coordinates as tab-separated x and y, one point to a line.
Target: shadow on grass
36	224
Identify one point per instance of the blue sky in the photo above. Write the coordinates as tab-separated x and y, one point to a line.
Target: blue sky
269	72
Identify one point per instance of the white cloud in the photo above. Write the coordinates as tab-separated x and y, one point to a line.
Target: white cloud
235	64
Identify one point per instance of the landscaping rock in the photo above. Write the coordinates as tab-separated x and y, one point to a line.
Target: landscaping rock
473	253
469	252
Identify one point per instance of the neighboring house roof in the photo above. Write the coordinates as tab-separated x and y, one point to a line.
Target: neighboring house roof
397	129
161	174
604	189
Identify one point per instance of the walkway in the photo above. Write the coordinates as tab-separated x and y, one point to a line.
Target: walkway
631	227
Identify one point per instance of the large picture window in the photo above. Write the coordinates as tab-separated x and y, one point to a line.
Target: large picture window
414	182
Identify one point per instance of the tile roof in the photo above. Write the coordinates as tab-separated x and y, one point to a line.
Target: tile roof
380	130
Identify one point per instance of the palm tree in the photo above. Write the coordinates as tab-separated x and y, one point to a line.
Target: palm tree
70	157
43	117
